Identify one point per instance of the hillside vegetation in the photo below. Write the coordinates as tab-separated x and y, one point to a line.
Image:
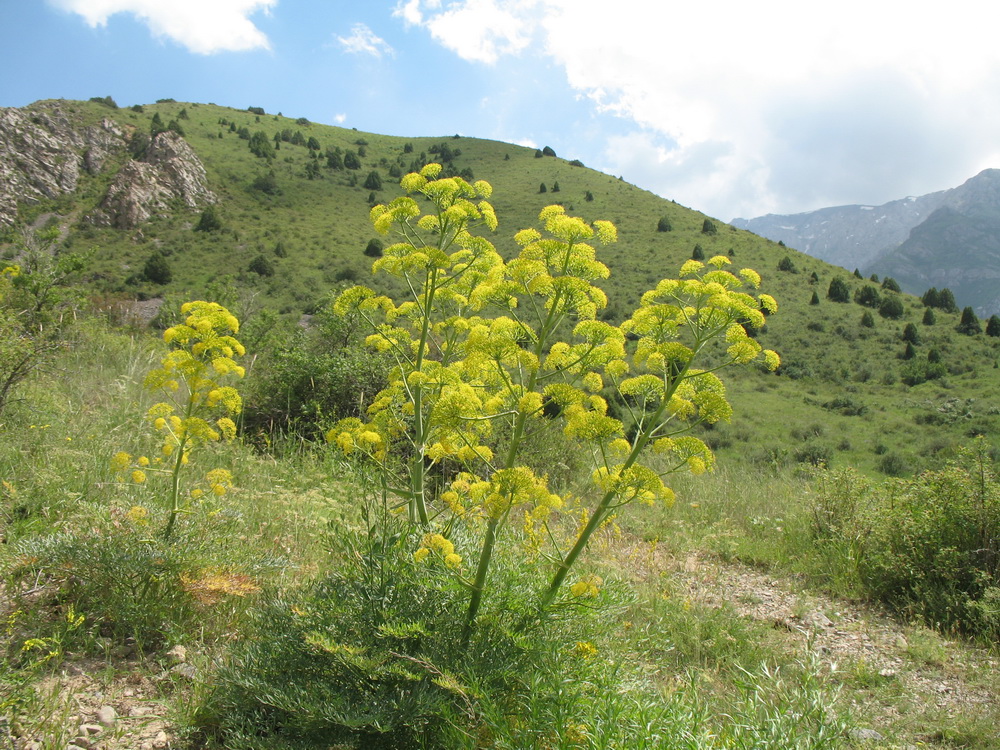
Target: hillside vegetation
846	394
401	522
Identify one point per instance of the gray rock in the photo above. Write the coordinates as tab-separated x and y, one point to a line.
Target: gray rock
107	716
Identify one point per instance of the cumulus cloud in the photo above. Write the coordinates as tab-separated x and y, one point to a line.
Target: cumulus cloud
363	41
476	30
203	26
803	104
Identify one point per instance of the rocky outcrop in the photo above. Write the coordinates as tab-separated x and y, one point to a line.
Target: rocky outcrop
43	152
169	171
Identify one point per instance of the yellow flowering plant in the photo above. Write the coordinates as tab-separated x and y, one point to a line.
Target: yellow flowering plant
198	408
481	354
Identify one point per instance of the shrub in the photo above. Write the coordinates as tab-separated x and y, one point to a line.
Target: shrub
946	301
157	269
890	285
868	296
785	264
814	300
548	151
317	375
373	181
867	320
929	319
261	146
838	291
708	227
698	253
664	225
351	160
891	307
928	545
267	183
993	326
210	220
911	334
261	266
969	324
374	248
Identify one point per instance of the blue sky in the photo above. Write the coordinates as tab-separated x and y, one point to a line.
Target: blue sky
733	108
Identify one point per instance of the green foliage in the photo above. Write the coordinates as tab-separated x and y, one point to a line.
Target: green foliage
371	655
814	300
548	151
969	324
260	145
857	274
698	253
993	326
261	266
37	308
946	301
318	374
664	225
708	227
267	183
911	334
129	583
838	291
867	320
210	220
890	284
786	264
891	307
542	188
374	248
157	269
929	318
351	160
928	546
373	181
868	296
106	101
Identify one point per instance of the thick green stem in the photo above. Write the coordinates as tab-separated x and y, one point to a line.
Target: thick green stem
418	501
478	585
175	479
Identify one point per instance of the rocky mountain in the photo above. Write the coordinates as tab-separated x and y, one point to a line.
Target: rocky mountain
44	152
945	239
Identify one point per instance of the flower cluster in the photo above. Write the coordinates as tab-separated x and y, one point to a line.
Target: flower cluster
440	547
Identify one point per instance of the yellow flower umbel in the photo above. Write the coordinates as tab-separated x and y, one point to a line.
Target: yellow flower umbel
198	406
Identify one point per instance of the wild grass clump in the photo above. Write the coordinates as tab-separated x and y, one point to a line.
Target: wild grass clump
130	584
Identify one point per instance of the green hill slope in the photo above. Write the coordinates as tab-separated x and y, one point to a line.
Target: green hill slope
843	395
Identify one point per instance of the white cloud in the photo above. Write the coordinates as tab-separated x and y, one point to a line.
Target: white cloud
363	41
203	26
476	30
340	118
726	96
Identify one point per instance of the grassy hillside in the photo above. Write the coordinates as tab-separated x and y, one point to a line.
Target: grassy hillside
314	613
843	395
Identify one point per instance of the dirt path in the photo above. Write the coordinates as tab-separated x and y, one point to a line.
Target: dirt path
896	674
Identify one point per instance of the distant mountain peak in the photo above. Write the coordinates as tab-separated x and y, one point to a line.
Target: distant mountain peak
870	238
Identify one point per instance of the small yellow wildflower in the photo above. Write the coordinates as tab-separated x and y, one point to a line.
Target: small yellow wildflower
121	461
138	476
